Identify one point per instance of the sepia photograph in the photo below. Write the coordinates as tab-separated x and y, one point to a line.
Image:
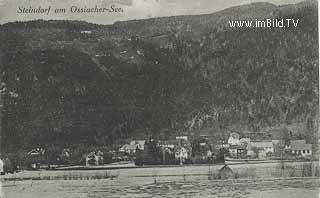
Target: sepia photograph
159	98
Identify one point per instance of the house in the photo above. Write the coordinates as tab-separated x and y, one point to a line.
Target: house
65	153
64	157
170	144
137	144
260	149
288	146
94	158
203	144
237	151
181	154
220	146
234	139
300	148
209	154
182	138
295	142
125	148
118	156
35	158
86	32
37	151
133	146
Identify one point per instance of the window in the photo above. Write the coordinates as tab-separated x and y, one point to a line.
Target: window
308	151
304	151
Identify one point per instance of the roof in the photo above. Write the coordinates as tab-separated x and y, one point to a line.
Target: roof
261	144
277	141
297	142
235	135
141	142
300	145
37	151
184	137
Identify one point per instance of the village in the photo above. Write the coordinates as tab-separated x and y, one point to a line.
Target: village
179	150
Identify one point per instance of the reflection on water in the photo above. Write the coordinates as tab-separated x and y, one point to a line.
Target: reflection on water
103	184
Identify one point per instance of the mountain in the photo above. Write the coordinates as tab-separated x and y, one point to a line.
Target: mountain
71	82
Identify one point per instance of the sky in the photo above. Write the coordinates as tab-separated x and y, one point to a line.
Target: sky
132	9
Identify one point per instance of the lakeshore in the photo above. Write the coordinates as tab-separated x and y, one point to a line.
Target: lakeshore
163	181
256	170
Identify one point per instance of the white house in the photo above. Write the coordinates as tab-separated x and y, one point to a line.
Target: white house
125	148
220	146
234	139
300	148
137	144
133	146
86	32
209	153
181	154
182	138
94	158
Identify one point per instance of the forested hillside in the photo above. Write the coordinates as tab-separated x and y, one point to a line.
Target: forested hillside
71	82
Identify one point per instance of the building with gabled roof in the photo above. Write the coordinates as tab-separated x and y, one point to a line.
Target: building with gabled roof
234	139
260	149
133	146
300	148
94	158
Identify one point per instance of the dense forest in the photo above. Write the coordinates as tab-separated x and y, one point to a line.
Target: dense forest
71	82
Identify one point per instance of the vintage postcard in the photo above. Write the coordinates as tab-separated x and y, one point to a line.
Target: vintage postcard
159	98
